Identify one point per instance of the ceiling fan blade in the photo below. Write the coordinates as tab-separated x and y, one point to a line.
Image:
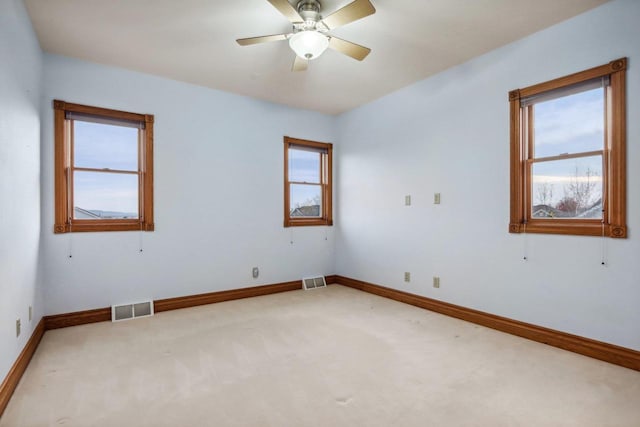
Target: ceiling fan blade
300	64
351	12
285	8
262	39
350	49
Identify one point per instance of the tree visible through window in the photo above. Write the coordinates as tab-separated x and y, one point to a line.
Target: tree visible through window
568	154
568	147
104	169
307	181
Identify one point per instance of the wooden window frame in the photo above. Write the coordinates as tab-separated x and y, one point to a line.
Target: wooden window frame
64	223
326	177
613	223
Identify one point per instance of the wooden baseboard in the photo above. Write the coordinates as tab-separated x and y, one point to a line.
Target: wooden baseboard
77	318
104	314
599	350
213	297
12	379
331	280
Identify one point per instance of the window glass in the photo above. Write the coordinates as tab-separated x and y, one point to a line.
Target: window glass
98	195
304	166
567	188
306	200
570	124
105	146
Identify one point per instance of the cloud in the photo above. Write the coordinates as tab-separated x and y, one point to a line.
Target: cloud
579	116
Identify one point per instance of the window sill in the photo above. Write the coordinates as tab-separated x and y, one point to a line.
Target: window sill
99	226
592	228
307	222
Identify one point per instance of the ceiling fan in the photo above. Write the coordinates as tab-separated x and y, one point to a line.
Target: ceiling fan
309	38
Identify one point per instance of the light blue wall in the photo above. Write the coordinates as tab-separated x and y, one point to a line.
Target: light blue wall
450	134
20	81
218	162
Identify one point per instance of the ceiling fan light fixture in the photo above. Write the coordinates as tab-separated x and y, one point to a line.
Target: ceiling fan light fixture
309	44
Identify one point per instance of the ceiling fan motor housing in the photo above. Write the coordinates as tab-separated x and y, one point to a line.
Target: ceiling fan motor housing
309	10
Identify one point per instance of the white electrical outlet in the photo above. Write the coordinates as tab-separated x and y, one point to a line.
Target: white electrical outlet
30	313
436	282
436	199
255	272
17	328
407	200
407	276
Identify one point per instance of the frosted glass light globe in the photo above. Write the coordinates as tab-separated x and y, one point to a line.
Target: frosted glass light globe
309	44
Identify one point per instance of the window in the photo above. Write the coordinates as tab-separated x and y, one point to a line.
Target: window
568	161
103	169
307	182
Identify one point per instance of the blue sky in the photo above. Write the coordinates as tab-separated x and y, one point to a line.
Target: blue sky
105	146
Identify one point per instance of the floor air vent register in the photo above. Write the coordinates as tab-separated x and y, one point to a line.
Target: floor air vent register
313	283
131	311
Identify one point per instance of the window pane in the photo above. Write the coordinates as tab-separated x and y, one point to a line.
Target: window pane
305	200
570	188
100	195
105	146
304	166
571	124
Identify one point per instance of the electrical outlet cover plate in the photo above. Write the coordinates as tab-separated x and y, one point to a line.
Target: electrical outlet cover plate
436	282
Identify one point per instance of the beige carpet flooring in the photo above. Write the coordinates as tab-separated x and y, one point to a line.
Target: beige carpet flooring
325	357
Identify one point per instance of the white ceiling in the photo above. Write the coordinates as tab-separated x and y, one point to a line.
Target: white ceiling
194	41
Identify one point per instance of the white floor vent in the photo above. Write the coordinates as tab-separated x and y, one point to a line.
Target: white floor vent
313	282
131	311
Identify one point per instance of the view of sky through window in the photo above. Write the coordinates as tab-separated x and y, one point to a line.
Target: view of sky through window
105	146
568	125
112	194
304	167
101	146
